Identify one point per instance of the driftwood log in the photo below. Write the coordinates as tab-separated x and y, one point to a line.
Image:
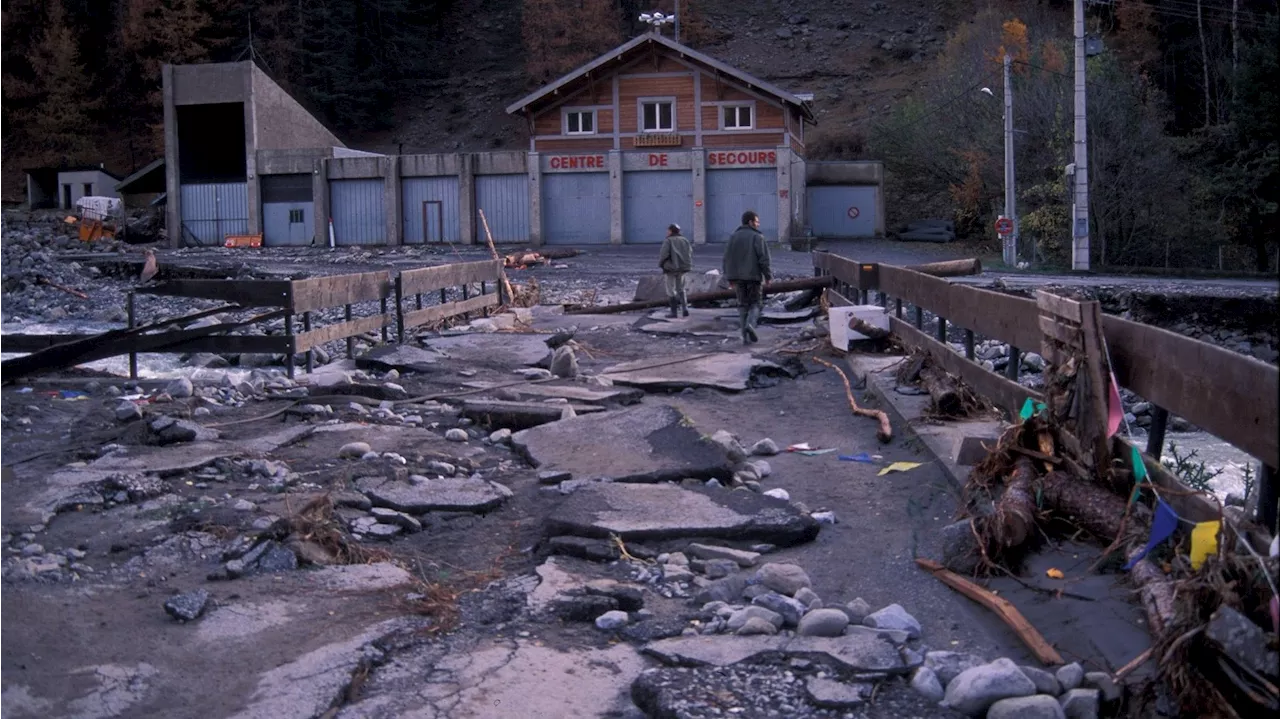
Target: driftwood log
860	325
950	268
885	433
943	390
772	288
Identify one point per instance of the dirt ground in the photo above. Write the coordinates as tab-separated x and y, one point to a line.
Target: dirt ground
435	623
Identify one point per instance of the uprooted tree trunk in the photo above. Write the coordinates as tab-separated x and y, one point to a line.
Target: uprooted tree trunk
943	390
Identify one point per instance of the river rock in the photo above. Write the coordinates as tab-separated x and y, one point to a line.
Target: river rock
710	551
611	620
179	388
1070	676
756	626
858	609
894	617
976	689
1032	707
127	411
564	363
730	445
1045	682
783	578
949	665
790	609
354	450
187	607
456	435
1080	704
831	694
1106	686
764	448
740	617
926	682
823	623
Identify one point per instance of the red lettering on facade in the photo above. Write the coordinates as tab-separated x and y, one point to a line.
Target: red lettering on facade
657	159
758	157
576	162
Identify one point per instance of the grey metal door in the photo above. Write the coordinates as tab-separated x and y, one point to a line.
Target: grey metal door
575	208
732	192
654	200
212	211
505	202
359	217
442	194
843	210
288	213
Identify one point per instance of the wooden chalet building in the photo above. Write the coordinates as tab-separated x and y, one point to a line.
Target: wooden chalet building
654	132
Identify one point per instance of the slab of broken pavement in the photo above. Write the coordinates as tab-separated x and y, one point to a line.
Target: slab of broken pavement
479	525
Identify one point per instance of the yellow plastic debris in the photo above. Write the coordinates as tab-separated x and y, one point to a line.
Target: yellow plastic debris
898	467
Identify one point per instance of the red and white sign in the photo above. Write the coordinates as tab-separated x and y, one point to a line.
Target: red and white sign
577	162
742	158
1004	226
853	213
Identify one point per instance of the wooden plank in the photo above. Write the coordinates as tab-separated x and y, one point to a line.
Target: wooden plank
315	338
835	299
33	343
842	268
231	344
992	314
427	279
1063	307
1003	608
1054	329
1001	391
322	292
439	312
247	293
1229	395
1099	374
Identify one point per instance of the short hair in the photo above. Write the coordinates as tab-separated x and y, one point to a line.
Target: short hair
748	216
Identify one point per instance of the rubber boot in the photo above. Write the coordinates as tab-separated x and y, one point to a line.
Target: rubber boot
742	319
749	328
684	304
672	304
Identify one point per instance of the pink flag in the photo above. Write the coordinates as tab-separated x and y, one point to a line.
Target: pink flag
1115	410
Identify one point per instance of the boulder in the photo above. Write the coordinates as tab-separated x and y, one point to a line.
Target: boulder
823	623
783	578
1080	703
1032	707
894	617
974	690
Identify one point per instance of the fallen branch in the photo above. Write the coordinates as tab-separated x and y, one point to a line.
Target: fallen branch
71	291
1133	664
885	435
772	288
506	284
860	325
1001	606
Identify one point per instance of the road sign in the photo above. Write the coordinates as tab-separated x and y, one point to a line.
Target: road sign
1004	226
853	213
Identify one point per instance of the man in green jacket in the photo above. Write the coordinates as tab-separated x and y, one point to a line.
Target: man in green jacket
675	260
746	267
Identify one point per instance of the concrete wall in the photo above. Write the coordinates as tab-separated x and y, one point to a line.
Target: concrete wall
844	173
208	84
279	122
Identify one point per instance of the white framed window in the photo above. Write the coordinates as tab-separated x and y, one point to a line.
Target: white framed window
738	117
657	114
579	122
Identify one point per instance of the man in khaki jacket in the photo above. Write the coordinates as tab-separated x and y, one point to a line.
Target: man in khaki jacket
676	260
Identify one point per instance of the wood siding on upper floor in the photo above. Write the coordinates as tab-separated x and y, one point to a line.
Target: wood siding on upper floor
699	100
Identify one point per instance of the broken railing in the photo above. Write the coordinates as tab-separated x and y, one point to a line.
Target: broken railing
1229	395
287	300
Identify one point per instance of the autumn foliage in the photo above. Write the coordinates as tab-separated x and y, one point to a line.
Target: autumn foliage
559	36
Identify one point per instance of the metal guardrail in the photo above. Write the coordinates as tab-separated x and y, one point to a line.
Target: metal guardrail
1229	395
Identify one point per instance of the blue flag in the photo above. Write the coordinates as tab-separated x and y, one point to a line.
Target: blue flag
1162	526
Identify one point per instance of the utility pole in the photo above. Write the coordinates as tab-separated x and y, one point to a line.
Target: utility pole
1080	206
1011	239
677	20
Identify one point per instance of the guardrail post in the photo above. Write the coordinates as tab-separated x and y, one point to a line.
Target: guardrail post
1015	363
306	327
385	331
942	330
968	345
399	311
351	341
466	292
897	307
1155	433
290	358
1267	497
484	290
133	321
919	317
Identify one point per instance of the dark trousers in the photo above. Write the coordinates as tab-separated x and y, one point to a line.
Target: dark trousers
750	297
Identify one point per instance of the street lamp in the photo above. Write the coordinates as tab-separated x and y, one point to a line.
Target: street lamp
1009	241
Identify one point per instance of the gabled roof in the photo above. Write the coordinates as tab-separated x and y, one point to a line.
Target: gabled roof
648	39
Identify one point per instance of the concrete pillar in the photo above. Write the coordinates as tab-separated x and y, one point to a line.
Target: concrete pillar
615	197
784	194
699	159
173	190
799	197
535	198
392	199
320	201
467	220
253	200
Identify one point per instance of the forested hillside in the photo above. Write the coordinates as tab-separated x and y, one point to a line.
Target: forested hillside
1183	102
